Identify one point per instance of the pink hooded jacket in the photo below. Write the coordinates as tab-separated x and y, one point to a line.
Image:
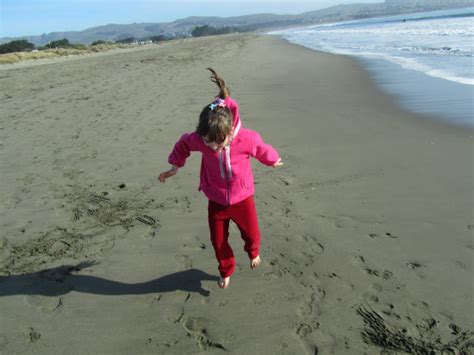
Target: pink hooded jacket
226	176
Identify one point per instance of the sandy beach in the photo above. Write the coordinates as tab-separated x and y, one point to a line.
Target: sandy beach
367	230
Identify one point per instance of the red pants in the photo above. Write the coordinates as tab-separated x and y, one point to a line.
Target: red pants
244	215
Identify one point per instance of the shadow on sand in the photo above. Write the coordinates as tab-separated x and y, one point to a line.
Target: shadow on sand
61	280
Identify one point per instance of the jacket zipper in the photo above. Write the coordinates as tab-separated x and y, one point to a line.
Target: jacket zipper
223	174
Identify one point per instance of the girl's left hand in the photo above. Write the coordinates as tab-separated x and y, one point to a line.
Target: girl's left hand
278	163
163	176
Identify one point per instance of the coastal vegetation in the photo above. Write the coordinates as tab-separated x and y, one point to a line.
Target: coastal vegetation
63	43
46	53
201	31
16	46
20	50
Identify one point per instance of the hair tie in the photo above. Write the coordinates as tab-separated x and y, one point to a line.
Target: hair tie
217	103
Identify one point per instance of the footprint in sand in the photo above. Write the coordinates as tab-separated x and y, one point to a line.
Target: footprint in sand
314	339
370	298
375	287
358	260
149	225
385	274
278	270
414	265
33	335
455	330
461	265
222	303
361	261
470	247
184	262
389	311
287	180
386	234
313	244
46	305
197	245
200	246
151	232
197	329
173	314
262	298
310	310
3	341
168	340
417	267
148	300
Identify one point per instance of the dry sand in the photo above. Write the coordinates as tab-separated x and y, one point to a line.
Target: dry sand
367	229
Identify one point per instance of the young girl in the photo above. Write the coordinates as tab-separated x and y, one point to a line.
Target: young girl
226	175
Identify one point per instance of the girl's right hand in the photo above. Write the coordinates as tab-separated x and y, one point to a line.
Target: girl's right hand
163	176
278	163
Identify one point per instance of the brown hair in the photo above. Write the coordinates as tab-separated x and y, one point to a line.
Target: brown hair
224	91
215	121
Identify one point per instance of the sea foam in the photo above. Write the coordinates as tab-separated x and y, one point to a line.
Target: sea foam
439	44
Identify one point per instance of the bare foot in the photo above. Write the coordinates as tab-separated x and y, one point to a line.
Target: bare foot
255	262
224	282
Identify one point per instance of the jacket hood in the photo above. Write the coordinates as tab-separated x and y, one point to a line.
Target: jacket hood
234	109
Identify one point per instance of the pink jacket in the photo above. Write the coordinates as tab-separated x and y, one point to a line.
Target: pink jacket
226	176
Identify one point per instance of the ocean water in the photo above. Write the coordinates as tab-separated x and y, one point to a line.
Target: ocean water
426	60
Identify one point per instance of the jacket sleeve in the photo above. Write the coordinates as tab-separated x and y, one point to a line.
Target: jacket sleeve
182	149
265	153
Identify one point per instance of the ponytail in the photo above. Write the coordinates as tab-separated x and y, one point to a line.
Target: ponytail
224	91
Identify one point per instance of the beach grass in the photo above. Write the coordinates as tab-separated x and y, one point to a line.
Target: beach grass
16	57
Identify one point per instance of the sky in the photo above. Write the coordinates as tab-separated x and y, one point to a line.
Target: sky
35	17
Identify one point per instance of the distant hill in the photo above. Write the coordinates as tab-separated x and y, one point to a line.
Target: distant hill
258	22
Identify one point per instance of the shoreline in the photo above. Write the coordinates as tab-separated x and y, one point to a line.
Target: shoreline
417	92
425	118
426	75
402	92
371	215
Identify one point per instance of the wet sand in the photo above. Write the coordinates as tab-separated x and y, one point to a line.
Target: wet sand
367	230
